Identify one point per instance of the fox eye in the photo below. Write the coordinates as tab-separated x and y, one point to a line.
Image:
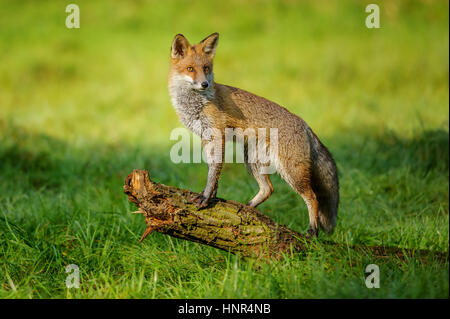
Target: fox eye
206	69
190	69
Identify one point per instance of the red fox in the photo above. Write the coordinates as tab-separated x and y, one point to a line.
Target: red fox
302	160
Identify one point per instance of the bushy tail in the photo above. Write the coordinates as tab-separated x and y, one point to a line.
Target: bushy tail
325	184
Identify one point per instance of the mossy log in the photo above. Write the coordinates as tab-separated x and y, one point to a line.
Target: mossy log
224	224
232	226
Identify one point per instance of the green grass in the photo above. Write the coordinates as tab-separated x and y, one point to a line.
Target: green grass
80	109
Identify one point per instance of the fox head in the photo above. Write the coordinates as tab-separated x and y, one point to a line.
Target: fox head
192	65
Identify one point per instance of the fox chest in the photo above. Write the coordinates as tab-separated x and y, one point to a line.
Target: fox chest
189	108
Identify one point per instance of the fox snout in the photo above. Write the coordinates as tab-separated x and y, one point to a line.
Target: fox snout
200	83
197	84
203	85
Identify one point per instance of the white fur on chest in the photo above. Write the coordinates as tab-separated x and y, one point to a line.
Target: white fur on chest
189	103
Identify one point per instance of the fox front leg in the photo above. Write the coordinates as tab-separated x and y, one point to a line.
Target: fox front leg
210	191
214	156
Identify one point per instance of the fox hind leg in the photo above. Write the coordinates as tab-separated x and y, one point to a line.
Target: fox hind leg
265	185
299	178
310	199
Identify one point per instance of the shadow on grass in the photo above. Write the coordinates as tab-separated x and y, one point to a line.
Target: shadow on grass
425	152
46	162
33	161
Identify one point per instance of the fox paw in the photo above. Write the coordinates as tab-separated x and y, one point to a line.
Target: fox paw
201	201
312	232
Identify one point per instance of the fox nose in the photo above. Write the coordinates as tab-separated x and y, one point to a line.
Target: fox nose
205	84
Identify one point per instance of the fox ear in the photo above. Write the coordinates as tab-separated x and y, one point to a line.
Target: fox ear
179	46
209	44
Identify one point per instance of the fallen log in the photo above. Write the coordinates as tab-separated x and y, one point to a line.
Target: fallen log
229	225
224	224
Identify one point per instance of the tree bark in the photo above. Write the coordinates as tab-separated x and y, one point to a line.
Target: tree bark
229	225
224	224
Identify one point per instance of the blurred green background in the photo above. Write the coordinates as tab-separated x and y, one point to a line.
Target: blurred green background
81	108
